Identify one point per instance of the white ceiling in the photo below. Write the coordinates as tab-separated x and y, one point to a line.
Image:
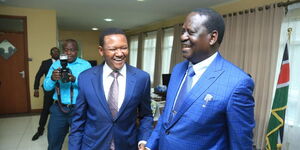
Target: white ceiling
127	14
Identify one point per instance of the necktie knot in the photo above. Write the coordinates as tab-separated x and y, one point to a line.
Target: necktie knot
115	74
191	71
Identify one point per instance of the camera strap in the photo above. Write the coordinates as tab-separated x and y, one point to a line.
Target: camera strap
61	106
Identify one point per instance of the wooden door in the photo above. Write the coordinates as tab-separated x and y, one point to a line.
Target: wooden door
14	93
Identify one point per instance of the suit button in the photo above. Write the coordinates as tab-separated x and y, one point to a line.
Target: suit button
167	132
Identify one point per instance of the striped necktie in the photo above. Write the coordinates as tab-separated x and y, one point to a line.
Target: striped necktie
114	94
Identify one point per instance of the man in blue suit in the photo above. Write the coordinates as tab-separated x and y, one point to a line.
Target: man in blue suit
209	100
113	109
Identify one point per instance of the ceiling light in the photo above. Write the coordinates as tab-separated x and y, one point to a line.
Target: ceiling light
140	0
95	29
108	19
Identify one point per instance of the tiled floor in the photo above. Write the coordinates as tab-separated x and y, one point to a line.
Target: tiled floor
16	134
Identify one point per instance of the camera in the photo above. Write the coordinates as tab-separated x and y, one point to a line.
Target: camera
64	71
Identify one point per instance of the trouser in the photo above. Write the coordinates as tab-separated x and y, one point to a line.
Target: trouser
58	127
48	101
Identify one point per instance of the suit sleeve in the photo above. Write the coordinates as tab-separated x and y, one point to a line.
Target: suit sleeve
78	119
145	113
38	76
153	141
240	116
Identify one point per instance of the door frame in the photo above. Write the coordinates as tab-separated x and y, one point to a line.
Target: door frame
26	59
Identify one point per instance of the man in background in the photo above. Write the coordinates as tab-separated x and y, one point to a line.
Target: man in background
43	70
209	100
112	97
65	83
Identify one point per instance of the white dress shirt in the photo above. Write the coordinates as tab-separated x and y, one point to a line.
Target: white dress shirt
53	60
199	69
108	79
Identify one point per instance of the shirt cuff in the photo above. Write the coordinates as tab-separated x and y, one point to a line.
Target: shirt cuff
142	142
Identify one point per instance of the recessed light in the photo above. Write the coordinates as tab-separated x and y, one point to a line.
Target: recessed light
95	29
108	20
140	0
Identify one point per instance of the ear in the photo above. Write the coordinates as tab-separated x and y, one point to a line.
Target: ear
213	37
100	50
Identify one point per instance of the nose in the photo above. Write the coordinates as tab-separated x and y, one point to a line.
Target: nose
184	36
119	52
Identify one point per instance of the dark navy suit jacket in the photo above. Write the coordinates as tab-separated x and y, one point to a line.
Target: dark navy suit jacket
43	70
93	126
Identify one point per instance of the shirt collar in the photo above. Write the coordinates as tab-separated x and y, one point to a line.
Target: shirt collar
53	60
203	64
107	70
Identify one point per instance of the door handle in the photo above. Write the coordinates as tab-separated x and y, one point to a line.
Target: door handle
22	73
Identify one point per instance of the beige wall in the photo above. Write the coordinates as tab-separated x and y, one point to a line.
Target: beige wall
41	36
88	42
234	6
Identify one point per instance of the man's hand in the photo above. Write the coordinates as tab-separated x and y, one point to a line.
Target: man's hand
71	77
55	75
36	93
142	146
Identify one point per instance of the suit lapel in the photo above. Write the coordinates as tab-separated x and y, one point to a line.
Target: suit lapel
174	85
49	62
207	79
98	88
130	84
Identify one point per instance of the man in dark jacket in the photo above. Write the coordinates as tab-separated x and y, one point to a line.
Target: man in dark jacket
43	70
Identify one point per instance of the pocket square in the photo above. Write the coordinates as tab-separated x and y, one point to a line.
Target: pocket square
207	98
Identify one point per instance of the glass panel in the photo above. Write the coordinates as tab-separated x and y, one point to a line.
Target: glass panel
7	49
11	25
133	50
149	54
167	50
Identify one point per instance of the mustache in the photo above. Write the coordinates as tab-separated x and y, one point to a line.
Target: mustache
186	43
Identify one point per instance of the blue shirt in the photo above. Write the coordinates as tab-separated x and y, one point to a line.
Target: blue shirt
76	67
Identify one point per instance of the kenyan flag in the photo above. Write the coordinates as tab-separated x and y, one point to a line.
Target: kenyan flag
274	135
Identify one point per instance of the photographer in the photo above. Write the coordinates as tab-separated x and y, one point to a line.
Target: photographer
62	77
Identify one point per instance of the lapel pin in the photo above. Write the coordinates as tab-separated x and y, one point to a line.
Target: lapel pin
207	98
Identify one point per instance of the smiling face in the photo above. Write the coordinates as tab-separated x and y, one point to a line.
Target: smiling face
195	39
71	50
114	51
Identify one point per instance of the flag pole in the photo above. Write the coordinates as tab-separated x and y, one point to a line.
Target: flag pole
289	30
275	131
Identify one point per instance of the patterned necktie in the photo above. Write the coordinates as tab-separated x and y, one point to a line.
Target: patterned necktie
185	88
114	94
